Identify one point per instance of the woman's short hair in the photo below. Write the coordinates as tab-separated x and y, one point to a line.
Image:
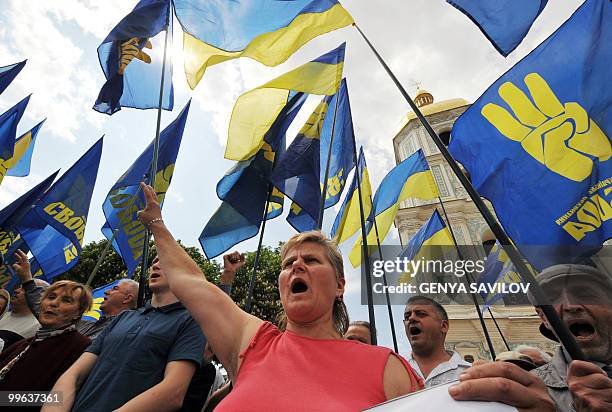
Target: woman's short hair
85	298
340	312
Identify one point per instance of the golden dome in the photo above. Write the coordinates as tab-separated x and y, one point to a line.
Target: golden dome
423	98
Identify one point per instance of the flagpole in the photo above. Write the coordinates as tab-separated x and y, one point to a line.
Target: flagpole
365	251
384	276
144	263
561	330
249	299
329	155
499	329
467	280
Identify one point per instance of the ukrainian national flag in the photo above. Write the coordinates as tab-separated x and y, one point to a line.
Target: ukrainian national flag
348	220
422	244
132	76
410	178
8	131
8	73
268	31
255	111
19	165
537	142
504	22
95	313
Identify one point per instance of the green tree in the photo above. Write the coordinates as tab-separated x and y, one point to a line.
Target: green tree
266	302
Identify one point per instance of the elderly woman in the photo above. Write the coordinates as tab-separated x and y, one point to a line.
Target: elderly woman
35	364
308	366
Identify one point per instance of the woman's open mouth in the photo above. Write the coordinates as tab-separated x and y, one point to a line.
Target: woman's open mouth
298	286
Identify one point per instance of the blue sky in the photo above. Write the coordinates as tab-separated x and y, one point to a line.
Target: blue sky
425	41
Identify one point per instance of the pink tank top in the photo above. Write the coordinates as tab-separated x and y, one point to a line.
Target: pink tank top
282	371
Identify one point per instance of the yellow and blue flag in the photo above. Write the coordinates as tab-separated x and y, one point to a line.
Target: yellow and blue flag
255	111
119	209
268	31
498	269
422	245
301	174
411	178
537	142
133	75
504	22
54	229
8	73
348	220
21	160
244	189
95	313
8	132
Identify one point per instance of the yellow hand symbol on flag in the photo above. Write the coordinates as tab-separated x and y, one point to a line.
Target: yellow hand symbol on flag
130	51
561	137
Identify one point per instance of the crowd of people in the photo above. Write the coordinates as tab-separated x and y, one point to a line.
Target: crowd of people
168	354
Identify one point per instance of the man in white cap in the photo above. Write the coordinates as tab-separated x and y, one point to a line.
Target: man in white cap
582	296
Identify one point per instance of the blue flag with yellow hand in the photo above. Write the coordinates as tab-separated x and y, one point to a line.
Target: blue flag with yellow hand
8	73
504	22
411	178
132	71
125	198
268	31
95	313
348	220
256	110
423	244
54	229
244	189
8	132
21	160
536	143
340	164
296	173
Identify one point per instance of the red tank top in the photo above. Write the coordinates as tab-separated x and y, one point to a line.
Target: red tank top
282	371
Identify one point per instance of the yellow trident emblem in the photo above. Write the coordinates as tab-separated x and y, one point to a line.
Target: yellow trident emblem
561	137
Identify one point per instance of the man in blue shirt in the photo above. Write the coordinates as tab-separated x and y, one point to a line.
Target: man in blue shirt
143	360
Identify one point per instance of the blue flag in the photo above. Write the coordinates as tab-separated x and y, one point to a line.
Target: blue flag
133	77
119	208
8	132
95	313
504	22
341	162
10	240
244	189
22	153
54	229
536	143
8	73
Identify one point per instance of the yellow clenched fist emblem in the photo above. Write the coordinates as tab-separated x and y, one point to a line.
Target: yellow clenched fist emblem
130	51
561	137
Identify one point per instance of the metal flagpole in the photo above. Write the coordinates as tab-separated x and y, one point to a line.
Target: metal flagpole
365	251
144	263
467	280
561	330
384	276
499	329
247	306
329	155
